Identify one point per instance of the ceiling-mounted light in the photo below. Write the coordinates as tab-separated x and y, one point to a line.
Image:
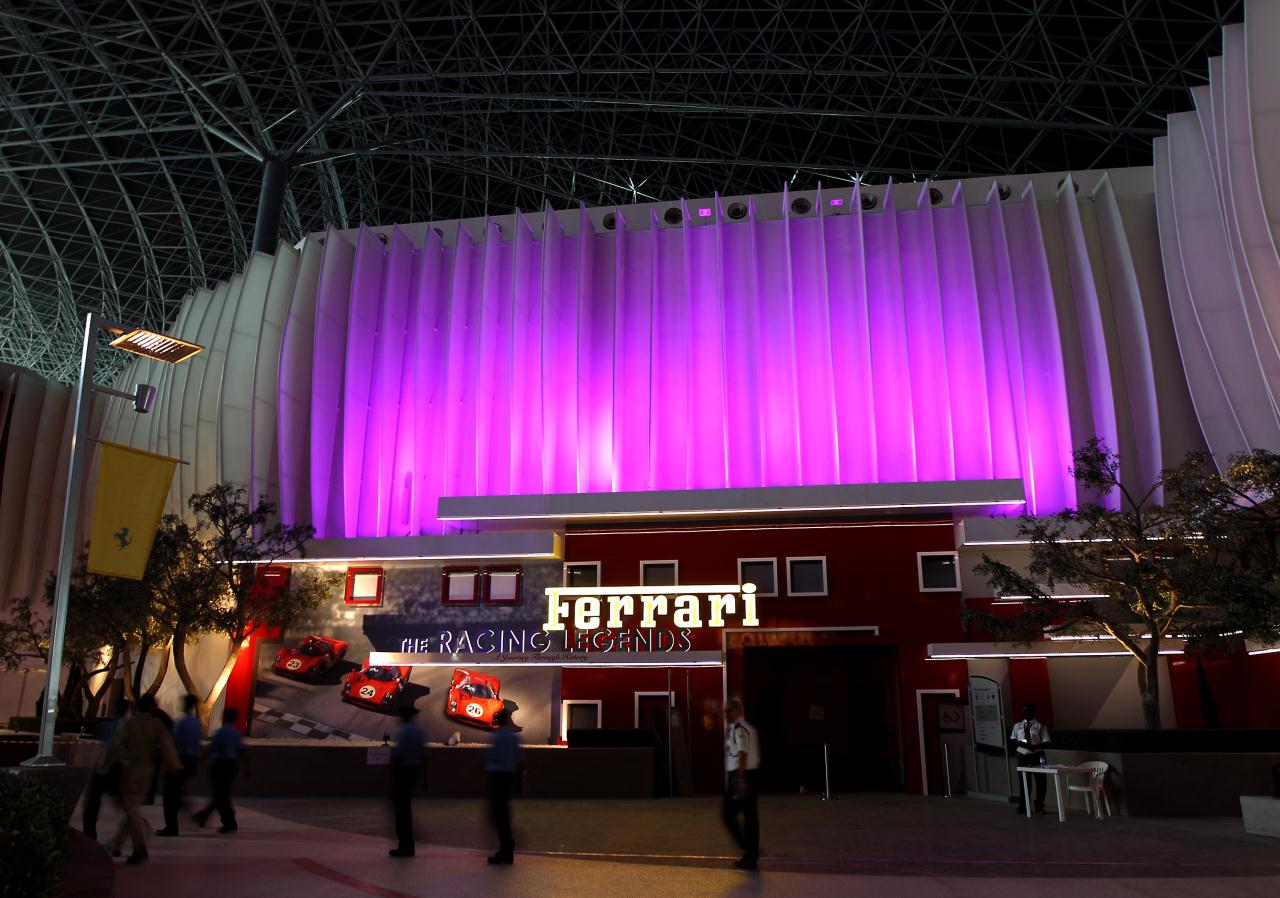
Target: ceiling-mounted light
160	347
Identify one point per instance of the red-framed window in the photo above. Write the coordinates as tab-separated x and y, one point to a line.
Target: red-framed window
364	586
501	585
460	586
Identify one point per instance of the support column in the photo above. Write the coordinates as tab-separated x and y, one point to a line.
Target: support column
275	181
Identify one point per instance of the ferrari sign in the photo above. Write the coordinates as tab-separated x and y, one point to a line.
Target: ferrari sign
682	607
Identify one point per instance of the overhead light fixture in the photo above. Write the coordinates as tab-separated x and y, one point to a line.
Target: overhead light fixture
160	347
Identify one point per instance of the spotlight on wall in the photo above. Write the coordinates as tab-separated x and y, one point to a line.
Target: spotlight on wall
801	205
737	211
673	216
1003	190
869	201
144	395
935	196
610	221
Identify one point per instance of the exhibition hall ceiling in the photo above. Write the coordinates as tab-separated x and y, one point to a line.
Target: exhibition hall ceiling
135	133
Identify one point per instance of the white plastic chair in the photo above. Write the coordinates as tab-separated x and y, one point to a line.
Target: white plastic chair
1095	793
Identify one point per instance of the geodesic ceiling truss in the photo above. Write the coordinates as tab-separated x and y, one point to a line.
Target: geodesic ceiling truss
136	134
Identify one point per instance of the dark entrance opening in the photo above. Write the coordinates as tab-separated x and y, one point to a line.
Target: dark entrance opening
846	697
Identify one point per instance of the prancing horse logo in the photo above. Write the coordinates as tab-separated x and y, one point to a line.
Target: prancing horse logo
122	538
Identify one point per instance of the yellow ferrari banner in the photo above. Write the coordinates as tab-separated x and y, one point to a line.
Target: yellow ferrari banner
132	486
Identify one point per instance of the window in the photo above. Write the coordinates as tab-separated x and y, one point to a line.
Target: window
460	586
938	571
579	714
582	573
763	572
807	576
659	573
502	586
364	586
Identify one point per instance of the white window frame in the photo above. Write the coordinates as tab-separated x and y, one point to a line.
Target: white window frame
564	570
920	572
564	714
773	561
823	559
671	702
671	561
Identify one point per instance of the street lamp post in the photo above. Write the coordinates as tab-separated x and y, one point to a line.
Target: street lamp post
141	343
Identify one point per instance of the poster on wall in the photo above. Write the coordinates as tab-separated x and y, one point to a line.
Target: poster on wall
318	686
988	719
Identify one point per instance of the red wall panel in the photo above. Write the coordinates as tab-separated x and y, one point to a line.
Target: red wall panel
872	581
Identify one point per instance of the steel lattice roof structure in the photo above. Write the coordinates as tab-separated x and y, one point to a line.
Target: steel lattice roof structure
137	133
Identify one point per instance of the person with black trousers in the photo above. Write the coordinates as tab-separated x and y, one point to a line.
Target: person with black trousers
1029	738
226	749
502	760
407	755
187	733
741	792
102	783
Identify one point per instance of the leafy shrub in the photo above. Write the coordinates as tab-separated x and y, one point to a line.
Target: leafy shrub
33	836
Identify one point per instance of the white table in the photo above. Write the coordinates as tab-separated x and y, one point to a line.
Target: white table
1059	772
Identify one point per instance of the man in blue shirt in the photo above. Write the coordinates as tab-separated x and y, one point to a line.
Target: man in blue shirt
502	759
225	750
407	755
187	733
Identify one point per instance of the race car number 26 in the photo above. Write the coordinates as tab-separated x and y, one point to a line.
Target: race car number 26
474	710
367	691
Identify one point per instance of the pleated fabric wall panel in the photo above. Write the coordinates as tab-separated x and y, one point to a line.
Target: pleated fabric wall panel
1218	196
362	378
913	343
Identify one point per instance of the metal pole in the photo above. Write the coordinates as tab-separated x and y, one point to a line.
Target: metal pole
826	774
67	548
671	784
946	766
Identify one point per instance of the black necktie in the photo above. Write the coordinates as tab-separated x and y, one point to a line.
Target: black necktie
1026	732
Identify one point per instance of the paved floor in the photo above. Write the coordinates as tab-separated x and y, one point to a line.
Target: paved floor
866	845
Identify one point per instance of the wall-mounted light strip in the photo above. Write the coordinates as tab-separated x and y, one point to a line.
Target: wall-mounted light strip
704	512
591	664
753	528
1051	656
371	559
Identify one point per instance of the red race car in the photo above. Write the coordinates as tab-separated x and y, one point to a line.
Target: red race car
379	687
312	657
473	698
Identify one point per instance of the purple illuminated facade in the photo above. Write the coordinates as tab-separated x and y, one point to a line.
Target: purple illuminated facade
917	344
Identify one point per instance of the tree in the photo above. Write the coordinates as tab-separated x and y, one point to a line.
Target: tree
214	587
1193	557
101	619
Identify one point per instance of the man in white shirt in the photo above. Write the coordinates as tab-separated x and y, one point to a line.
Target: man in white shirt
1029	738
742	764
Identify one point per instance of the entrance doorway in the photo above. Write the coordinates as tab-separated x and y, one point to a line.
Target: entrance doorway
801	698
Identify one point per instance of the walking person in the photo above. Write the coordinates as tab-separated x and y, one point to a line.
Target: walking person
407	755
1029	738
502	760
102	781
139	747
226	748
186	741
742	765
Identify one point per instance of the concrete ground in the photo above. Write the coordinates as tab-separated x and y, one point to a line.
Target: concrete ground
862	845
